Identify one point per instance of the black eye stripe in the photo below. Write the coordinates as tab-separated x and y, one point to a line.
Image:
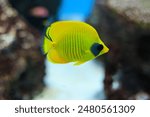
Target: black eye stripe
100	47
96	48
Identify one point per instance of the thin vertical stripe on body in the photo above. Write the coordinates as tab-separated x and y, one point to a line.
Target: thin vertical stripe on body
65	47
69	44
76	48
79	46
73	45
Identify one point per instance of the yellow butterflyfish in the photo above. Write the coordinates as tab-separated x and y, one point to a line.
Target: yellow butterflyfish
72	41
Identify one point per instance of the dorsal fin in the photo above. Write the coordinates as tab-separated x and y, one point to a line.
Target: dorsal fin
60	28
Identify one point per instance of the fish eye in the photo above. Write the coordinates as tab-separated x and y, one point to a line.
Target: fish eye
96	48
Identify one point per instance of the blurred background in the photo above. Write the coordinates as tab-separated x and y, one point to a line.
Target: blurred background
122	73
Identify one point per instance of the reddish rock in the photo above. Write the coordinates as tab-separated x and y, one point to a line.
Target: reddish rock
21	61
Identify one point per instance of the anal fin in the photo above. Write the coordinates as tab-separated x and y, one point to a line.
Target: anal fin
54	57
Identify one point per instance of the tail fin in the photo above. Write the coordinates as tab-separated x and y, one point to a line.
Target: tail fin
47	45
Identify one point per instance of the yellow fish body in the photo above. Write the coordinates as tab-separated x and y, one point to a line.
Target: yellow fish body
72	41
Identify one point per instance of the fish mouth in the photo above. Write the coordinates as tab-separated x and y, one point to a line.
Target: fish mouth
105	50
